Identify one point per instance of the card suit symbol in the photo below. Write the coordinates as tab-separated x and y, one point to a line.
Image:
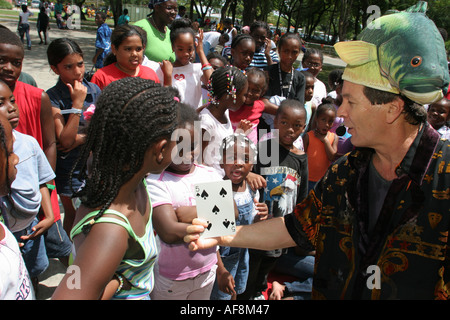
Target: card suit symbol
223	192
226	223
204	194
216	210
209	225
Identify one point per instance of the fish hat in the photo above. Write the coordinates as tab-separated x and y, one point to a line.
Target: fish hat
402	53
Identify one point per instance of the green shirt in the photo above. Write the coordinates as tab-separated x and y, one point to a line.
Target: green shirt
158	47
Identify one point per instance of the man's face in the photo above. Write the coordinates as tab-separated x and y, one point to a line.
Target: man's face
365	122
11	57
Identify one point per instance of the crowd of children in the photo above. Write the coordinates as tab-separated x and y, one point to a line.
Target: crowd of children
111	143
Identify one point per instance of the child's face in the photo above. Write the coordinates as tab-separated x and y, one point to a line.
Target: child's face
216	63
309	88
243	54
289	52
256	86
11	58
439	113
290	124
324	121
8	106
184	48
99	20
129	53
237	163
8	160
314	63
187	150
260	35
70	69
240	98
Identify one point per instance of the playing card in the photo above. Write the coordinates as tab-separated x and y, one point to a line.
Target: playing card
215	204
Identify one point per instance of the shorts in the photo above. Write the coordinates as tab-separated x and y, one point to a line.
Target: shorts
57	242
33	251
64	165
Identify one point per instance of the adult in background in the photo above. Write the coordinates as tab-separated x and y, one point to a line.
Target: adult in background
159	47
379	219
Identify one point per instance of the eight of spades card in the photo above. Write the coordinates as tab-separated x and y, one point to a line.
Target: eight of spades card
215	204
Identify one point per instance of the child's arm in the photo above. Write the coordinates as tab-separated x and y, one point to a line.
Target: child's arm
330	148
305	139
269	107
48	130
225	280
166	224
167	69
48	216
186	214
66	133
207	69
256	181
263	211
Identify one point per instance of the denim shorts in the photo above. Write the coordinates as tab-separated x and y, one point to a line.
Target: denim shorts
33	252
57	242
64	165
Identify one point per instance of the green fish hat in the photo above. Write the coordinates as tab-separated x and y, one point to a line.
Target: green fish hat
402	53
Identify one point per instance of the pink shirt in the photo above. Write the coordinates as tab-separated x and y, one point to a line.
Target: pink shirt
176	261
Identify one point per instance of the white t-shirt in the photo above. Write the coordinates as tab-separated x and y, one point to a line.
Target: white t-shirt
155	66
176	261
15	282
212	37
24	16
320	92
218	131
187	79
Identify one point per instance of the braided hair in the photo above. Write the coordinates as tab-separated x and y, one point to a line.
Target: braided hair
130	116
226	80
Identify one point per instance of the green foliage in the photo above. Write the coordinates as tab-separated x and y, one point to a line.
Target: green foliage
5	4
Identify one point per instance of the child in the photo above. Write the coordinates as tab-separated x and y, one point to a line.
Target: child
285	169
15	283
238	156
188	77
42	24
309	92
242	51
320	144
228	89
29	193
124	18
127	51
102	41
179	273
114	245
24	24
37	121
284	81
70	97
253	107
313	61
216	61
264	55
439	117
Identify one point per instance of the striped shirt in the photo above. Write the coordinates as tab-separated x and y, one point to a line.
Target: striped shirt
260	61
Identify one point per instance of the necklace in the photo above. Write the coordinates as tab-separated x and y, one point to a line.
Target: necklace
162	34
281	82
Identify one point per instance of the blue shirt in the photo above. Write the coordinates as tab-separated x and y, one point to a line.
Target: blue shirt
103	41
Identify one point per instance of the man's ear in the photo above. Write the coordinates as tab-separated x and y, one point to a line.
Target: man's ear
394	109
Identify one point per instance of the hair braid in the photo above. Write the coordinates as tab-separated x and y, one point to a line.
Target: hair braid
131	115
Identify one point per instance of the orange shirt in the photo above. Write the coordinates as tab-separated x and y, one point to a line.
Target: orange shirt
318	161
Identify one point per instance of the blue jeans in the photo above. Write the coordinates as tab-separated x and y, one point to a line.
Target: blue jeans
26	31
33	252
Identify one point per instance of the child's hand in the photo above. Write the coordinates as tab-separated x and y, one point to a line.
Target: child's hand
166	67
225	283
263	211
199	41
78	94
38	229
321	137
268	48
245	126
256	181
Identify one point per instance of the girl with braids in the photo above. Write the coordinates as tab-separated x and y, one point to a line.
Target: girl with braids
15	283
125	60
242	51
228	88
188	77
71	95
129	136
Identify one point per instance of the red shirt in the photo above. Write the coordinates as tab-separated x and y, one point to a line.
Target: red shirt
110	73
448	93
250	113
